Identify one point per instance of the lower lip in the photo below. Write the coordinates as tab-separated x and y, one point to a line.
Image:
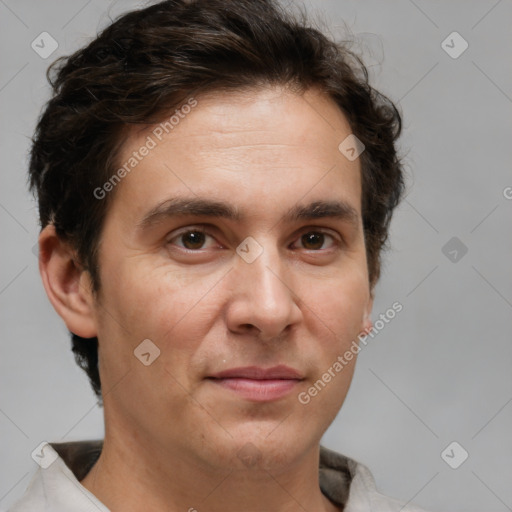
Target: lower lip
258	390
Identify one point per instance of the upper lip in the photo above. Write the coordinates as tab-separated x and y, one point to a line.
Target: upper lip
254	372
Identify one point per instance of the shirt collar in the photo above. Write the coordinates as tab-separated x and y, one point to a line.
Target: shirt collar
344	481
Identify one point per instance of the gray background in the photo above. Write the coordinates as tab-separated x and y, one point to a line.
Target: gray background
440	371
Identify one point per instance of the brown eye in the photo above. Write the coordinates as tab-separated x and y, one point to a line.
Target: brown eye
192	239
314	240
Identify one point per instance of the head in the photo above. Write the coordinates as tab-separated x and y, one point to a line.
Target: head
241	110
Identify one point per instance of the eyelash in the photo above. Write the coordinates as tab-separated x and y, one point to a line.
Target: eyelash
337	241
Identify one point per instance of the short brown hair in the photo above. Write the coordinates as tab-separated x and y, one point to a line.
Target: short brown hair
149	61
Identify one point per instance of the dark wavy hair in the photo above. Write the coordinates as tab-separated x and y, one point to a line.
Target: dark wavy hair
147	63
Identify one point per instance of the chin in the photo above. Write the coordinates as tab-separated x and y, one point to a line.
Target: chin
274	452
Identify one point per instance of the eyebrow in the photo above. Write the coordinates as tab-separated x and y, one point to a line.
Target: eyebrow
204	207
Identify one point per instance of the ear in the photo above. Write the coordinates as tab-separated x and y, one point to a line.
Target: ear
67	285
367	321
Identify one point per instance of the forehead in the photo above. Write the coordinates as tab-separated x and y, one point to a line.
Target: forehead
236	146
272	116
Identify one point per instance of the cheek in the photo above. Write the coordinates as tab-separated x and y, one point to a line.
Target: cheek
166	306
142	305
338	316
340	303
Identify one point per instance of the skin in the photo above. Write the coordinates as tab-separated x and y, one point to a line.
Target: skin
172	436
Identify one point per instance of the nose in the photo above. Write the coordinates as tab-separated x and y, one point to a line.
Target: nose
263	299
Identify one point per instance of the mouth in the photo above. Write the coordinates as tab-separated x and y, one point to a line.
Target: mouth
258	384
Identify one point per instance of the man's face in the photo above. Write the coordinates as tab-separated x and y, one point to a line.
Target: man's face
179	281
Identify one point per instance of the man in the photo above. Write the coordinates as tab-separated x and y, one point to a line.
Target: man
215	183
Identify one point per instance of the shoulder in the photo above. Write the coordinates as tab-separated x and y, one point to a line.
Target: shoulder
55	486
363	495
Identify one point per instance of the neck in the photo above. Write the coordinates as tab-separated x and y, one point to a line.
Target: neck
133	476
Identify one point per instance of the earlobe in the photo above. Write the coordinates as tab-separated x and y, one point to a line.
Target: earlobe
67	285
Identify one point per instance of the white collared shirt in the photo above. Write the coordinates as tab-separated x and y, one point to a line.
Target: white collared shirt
56	486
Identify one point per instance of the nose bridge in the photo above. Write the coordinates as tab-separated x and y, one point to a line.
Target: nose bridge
264	296
267	274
